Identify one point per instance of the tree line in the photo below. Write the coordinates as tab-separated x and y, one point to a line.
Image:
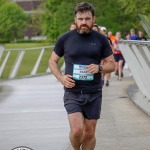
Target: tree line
56	17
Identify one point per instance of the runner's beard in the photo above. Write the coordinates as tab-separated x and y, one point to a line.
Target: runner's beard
84	29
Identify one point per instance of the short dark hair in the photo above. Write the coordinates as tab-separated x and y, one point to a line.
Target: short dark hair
140	30
84	7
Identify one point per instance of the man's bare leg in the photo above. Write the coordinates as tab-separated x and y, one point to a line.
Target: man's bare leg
89	140
120	67
76	121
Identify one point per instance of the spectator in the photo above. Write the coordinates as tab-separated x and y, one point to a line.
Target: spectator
133	36
141	36
128	36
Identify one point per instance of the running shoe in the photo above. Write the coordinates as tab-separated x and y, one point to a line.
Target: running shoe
122	74
107	83
119	78
116	72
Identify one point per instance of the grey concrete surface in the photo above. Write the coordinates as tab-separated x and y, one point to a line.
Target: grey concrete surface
32	115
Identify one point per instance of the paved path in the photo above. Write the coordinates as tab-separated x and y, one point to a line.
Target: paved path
32	115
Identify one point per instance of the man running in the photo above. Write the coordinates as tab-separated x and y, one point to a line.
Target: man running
83	49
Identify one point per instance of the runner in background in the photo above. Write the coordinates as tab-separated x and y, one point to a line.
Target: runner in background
95	27
107	76
110	35
72	26
127	36
118	56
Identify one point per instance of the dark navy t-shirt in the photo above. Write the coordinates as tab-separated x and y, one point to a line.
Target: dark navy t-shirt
83	49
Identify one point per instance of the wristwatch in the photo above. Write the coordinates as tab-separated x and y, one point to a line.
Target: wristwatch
100	68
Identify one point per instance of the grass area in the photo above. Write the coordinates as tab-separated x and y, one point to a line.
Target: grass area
25	45
29	59
9	64
28	62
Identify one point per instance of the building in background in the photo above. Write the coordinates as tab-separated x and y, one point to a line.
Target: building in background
30	7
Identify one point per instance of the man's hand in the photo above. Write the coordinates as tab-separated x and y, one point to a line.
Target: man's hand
67	81
92	68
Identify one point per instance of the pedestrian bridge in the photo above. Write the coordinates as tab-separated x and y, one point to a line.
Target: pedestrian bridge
32	112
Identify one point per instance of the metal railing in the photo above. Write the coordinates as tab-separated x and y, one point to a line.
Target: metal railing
137	56
1	50
21	54
145	23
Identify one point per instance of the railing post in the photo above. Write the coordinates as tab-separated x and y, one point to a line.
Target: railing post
1	50
4	63
37	63
17	64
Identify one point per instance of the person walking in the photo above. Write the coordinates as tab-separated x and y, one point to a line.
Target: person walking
83	49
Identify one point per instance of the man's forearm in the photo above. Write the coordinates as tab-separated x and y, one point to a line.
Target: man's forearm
55	69
109	67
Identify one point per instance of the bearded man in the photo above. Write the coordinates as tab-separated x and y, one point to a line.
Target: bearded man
83	49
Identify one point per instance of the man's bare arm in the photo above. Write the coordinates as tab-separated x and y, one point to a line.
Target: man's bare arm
108	66
66	80
53	64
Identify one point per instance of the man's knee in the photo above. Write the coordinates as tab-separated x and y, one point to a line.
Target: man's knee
89	130
77	131
89	135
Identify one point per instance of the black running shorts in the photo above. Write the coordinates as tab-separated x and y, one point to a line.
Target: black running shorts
118	57
89	104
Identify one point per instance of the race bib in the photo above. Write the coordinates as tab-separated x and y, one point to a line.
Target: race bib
80	73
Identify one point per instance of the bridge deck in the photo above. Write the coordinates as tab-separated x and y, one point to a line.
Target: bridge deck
32	115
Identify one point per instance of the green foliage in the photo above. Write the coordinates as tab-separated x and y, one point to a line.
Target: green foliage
13	21
25	45
2	2
36	24
50	25
135	7
115	15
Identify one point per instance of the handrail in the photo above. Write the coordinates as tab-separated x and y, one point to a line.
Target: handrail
34	48
137	56
135	42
